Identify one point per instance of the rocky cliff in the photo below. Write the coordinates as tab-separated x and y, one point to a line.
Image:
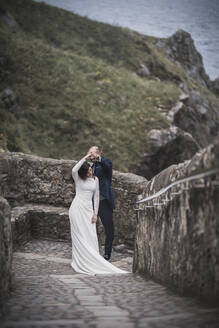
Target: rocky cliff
194	118
177	239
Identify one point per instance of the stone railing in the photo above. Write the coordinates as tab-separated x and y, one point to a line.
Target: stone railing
40	191
166	194
177	235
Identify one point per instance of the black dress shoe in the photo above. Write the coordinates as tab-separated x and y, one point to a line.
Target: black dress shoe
106	257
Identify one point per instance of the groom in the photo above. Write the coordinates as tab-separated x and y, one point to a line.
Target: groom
102	168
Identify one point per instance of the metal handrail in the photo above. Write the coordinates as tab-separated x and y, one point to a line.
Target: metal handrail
190	178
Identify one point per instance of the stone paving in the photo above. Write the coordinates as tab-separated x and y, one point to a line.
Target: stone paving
48	293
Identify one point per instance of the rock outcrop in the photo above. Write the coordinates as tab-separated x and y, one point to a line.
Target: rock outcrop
177	239
8	18
194	118
143	71
40	191
168	146
5	251
181	49
196	112
10	100
199	118
194	125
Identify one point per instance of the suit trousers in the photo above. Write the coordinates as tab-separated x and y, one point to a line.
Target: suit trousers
106	215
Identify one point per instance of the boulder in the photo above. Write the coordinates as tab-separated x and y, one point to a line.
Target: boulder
184	97
197	116
199	119
10	100
5	251
143	71
168	146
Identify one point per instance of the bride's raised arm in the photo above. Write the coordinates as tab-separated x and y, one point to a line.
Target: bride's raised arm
77	167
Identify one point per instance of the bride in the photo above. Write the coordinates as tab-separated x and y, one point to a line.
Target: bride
83	216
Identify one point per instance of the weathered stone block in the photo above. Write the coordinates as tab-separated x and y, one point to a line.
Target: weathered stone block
21	229
33	179
5	251
39	221
50	222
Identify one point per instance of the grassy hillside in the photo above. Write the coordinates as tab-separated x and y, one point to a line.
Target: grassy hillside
76	84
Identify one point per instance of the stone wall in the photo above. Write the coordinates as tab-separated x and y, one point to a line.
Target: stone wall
39	189
177	243
5	251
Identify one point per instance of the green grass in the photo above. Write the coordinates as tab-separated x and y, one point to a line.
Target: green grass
77	85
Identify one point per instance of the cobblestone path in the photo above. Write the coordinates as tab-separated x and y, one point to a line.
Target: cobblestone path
47	293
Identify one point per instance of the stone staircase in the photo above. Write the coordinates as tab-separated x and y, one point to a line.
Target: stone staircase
41	221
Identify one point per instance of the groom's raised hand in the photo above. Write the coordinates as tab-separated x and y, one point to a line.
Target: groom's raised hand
93	154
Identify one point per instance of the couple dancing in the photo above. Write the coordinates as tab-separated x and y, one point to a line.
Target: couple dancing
93	198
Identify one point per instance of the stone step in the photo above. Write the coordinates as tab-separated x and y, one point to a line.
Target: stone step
41	221
31	256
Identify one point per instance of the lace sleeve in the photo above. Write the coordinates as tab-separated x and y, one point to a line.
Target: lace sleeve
96	197
76	168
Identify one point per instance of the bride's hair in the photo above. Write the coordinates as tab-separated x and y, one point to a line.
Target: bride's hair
82	172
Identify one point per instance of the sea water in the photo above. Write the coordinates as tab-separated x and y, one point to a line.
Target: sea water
159	18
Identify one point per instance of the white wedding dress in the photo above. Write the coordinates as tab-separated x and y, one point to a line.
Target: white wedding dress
85	249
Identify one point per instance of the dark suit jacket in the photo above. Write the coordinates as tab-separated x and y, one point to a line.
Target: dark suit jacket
103	170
